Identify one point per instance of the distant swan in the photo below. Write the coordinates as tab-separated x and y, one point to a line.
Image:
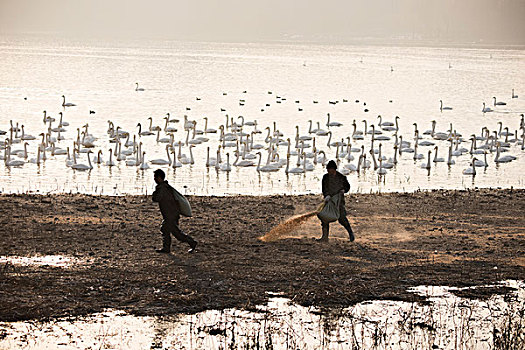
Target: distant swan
486	109
500	103
442	108
138	88
66	104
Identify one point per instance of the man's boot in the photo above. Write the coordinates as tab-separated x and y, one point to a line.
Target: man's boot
350	233
324	237
166	245
193	245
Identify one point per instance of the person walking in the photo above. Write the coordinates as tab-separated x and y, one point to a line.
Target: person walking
334	183
170	209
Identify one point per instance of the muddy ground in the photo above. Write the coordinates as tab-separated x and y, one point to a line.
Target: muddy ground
458	238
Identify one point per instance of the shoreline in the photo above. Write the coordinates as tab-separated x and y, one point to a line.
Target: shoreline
436	237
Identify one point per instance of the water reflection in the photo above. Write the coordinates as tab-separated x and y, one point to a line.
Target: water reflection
42	260
446	322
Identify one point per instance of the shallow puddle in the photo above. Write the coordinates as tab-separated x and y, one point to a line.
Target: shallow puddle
42	260
446	322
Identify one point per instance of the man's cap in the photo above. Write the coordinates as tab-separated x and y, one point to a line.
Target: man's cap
331	165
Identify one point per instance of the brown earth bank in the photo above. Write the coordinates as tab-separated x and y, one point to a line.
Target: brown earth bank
455	238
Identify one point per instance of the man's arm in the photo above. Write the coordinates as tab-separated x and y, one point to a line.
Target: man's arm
346	184
157	194
325	185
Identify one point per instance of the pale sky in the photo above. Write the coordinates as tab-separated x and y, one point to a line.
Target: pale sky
491	21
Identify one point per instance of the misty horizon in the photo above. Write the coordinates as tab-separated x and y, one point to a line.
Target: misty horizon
333	21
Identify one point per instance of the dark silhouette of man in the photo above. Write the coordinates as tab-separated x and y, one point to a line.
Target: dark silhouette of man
335	183
169	208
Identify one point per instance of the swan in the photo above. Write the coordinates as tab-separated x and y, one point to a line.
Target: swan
151	127
389	126
320	132
210	161
226	167
138	88
143	164
25	136
37	159
168	128
110	162
98	158
450	161
144	133
504	159
443	108
9	162
242	163
77	166
328	123
482	163
498	103
163	139
265	168
514	96
294	170
57	151
47	119
185	160
134	161
206	129
62	123
486	109
176	163
436	159
417	155
427	165
471	170
382	170
160	161
66	104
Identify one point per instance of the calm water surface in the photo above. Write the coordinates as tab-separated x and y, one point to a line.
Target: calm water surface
263	82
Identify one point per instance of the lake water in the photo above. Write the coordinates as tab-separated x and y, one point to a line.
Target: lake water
445	322
264	82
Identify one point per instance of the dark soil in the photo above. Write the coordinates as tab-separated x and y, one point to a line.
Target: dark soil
455	238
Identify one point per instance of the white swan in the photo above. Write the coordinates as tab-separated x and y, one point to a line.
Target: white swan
471	170
77	166
294	170
514	96
436	159
110	162
486	109
14	162
160	161
62	123
427	165
138	88
504	159
25	136
176	163
186	160
450	161
498	103
144	133
443	108
210	161
329	123
206	129
226	167
143	164
66	104
265	168
482	163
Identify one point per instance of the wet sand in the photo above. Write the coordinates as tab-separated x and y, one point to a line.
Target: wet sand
455	238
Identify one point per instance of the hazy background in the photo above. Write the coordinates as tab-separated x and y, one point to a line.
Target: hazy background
333	21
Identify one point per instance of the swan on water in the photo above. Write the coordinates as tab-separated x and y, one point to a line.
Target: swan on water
66	104
143	164
514	96
486	109
110	162
471	170
436	159
329	123
144	133
137	88
504	159
498	103
78	166
444	108
226	166
160	161
265	168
